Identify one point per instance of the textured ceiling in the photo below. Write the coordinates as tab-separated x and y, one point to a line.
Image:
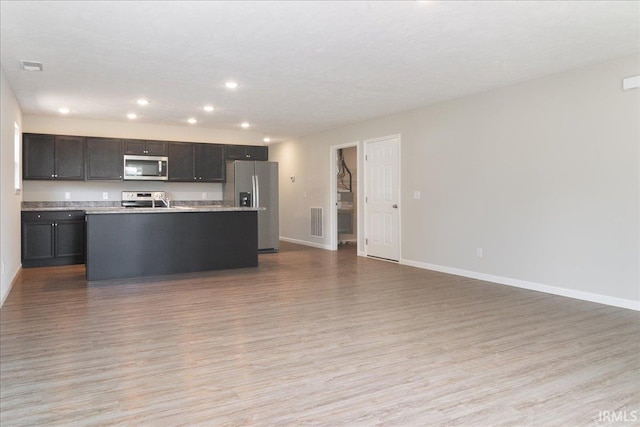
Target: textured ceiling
302	67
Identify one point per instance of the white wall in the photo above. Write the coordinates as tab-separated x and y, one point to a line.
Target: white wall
10	113
543	175
93	190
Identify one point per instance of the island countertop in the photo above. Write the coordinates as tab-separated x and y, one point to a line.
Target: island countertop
120	210
172	209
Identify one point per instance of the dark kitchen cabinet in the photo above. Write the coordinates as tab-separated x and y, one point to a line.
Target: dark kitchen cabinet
53	238
182	163
247	152
210	164
145	148
196	162
104	159
53	157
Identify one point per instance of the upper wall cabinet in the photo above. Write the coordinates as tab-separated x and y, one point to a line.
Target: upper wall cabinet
182	162
142	147
196	162
59	157
247	152
49	157
104	159
210	162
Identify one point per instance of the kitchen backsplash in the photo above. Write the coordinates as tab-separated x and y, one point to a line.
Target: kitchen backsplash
81	191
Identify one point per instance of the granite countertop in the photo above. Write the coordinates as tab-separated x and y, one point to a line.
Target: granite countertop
172	209
116	208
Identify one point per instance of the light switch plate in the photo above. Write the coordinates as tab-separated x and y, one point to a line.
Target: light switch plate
67	195
631	83
105	195
416	194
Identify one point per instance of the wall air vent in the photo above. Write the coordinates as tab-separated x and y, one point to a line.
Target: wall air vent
30	65
316	222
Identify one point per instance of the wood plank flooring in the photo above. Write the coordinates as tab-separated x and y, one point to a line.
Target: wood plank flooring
311	337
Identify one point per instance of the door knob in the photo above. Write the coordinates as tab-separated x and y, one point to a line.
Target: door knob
395	206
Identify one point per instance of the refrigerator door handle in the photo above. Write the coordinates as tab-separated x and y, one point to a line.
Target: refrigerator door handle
257	192
253	187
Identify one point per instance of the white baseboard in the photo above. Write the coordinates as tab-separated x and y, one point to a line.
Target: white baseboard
348	241
585	296
554	290
305	243
15	277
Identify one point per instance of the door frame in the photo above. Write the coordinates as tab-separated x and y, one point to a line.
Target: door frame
333	197
365	210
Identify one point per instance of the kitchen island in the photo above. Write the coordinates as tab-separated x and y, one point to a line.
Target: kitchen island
125	243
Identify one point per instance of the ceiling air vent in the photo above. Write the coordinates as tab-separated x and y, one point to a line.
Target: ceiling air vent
30	65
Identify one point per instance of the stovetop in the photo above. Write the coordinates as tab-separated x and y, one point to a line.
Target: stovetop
141	199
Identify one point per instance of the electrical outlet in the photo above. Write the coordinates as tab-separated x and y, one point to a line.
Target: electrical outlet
105	195
479	252
416	194
204	195
67	195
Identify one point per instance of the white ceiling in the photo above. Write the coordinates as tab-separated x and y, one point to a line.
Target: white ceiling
302	67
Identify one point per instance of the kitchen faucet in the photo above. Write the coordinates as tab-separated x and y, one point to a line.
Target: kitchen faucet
166	201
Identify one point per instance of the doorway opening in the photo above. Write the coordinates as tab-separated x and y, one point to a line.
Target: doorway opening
347	202
344	197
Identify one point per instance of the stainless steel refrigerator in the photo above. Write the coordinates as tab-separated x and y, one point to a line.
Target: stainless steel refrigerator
255	184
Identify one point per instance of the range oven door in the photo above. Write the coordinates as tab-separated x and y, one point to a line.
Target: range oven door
149	168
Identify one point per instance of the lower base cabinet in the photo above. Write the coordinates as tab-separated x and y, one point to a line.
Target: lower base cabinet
51	238
126	245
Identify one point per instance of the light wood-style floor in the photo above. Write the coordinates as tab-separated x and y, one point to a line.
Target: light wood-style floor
310	337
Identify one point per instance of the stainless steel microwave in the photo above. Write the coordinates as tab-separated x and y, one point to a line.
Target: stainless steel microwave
149	168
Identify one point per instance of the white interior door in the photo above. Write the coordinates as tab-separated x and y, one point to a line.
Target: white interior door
382	198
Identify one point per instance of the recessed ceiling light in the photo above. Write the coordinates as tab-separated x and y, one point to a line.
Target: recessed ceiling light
143	101
231	85
132	116
266	139
192	120
245	124
208	108
64	110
